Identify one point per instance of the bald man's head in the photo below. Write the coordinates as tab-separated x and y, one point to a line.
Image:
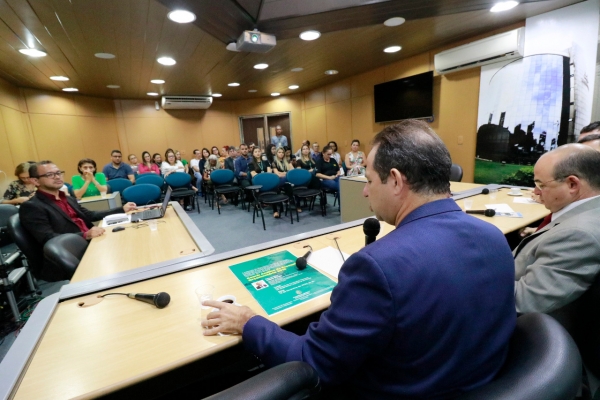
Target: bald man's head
573	159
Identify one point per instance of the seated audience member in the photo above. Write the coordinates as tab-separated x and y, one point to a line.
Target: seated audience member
184	162
280	166
259	165
426	311
299	152
556	264
279	140
215	150
316	154
336	156
355	160
251	147
212	165
305	161
289	157
171	164
592	140
204	159
88	182
270	153
133	163
20	190
50	213
147	165
157	159
229	161
195	166
590	129
117	168
328	170
223	155
241	167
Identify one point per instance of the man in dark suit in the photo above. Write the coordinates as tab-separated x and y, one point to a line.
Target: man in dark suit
51	213
426	311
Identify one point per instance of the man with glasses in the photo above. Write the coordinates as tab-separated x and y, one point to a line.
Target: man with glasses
51	213
118	169
558	263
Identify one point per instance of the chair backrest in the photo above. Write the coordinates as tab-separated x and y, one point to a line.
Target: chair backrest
299	177
6	211
292	380
542	363
268	180
151	179
142	193
27	244
456	173
65	251
222	177
119	184
70	189
178	180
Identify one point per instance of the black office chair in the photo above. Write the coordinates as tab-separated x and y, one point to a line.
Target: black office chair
456	173
28	245
542	363
290	381
65	251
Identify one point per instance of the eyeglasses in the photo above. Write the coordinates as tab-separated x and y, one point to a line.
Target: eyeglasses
52	175
542	185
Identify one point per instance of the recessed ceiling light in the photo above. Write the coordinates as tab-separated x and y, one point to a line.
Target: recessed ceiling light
113	86
310	35
392	49
59	78
106	56
395	21
504	6
298	69
181	16
331	72
70	89
275	94
152	94
293	87
252	91
157	81
217	95
261	66
166	61
233	84
33	52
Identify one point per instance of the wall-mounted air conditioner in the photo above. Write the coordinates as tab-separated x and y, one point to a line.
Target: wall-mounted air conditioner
505	46
186	102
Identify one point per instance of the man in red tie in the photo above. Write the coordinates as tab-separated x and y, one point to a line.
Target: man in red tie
557	263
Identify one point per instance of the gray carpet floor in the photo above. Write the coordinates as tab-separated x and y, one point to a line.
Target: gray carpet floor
232	229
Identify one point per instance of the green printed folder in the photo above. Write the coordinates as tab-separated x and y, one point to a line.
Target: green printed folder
276	283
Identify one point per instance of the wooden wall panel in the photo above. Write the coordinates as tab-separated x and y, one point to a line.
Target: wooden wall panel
183	134
20	142
7	165
362	85
145	134
338	91
218	132
98	137
339	124
9	95
363	122
410	66
57	138
316	125
314	98
93	107
46	102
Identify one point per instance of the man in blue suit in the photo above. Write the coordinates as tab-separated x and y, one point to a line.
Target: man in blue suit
426	311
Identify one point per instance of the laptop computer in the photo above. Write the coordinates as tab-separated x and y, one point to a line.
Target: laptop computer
155	213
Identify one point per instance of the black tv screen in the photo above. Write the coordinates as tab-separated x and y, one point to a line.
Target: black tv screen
405	98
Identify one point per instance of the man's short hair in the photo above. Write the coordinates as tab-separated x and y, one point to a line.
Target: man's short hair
33	168
584	164
591	127
232	148
196	151
115	151
414	149
589	138
243	144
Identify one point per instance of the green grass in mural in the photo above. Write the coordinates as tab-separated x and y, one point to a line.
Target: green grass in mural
493	172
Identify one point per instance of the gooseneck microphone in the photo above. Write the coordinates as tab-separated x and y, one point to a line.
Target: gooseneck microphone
488	213
371	228
301	261
160	300
485	191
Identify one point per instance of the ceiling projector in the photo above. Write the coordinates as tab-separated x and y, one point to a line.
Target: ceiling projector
255	42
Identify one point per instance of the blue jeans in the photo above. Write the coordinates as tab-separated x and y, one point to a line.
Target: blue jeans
331	184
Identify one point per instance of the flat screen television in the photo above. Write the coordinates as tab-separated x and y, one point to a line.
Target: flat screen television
406	98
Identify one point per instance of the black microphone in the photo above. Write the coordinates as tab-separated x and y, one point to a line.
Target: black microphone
160	300
301	261
371	228
485	191
487	213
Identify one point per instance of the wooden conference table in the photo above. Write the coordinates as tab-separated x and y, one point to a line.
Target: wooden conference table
85	352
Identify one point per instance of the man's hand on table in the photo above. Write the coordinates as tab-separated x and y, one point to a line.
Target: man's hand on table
228	318
94	232
129	207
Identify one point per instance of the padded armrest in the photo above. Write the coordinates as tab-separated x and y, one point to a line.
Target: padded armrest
292	380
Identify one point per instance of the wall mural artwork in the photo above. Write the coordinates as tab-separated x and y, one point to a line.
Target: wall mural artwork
534	104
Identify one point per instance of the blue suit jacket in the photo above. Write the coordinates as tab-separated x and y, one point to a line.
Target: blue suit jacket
425	312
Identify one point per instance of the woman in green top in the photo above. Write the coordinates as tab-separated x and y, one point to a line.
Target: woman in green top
184	162
88	183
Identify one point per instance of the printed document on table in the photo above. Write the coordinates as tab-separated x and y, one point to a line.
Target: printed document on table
327	260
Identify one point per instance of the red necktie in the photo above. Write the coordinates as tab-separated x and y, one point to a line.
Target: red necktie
545	222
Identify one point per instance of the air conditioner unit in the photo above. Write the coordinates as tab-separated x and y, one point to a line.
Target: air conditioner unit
186	102
505	46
